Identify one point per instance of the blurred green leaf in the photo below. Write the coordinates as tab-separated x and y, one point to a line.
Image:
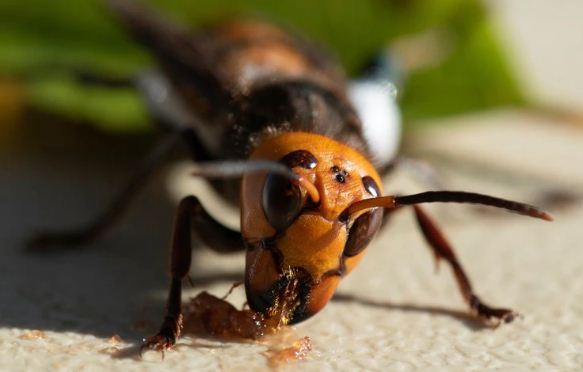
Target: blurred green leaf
117	110
45	42
475	76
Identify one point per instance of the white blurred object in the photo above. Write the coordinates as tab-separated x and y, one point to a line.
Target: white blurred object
375	104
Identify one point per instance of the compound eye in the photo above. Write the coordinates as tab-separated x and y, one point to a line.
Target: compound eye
362	231
282	201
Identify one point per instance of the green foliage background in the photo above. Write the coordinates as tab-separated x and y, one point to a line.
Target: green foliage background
43	43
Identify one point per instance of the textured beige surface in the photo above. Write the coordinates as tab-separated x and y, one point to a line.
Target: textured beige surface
392	311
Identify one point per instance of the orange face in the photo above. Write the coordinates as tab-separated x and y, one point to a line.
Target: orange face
287	231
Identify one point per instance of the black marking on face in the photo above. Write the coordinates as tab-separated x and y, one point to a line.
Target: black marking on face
300	158
371	186
362	231
301	312
339	174
262	301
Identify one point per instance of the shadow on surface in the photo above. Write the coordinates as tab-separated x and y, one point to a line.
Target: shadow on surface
56	175
467	319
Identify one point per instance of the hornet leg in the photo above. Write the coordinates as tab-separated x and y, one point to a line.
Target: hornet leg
191	215
443	250
106	219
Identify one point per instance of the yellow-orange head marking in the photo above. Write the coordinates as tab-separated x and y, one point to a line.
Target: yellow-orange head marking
286	230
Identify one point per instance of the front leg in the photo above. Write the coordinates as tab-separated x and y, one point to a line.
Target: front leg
443	250
191	215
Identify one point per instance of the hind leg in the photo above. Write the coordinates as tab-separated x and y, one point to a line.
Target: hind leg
81	235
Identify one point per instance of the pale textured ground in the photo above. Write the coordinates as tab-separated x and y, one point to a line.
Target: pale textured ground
392	311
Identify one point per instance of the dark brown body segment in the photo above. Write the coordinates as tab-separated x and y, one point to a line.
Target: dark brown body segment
244	78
